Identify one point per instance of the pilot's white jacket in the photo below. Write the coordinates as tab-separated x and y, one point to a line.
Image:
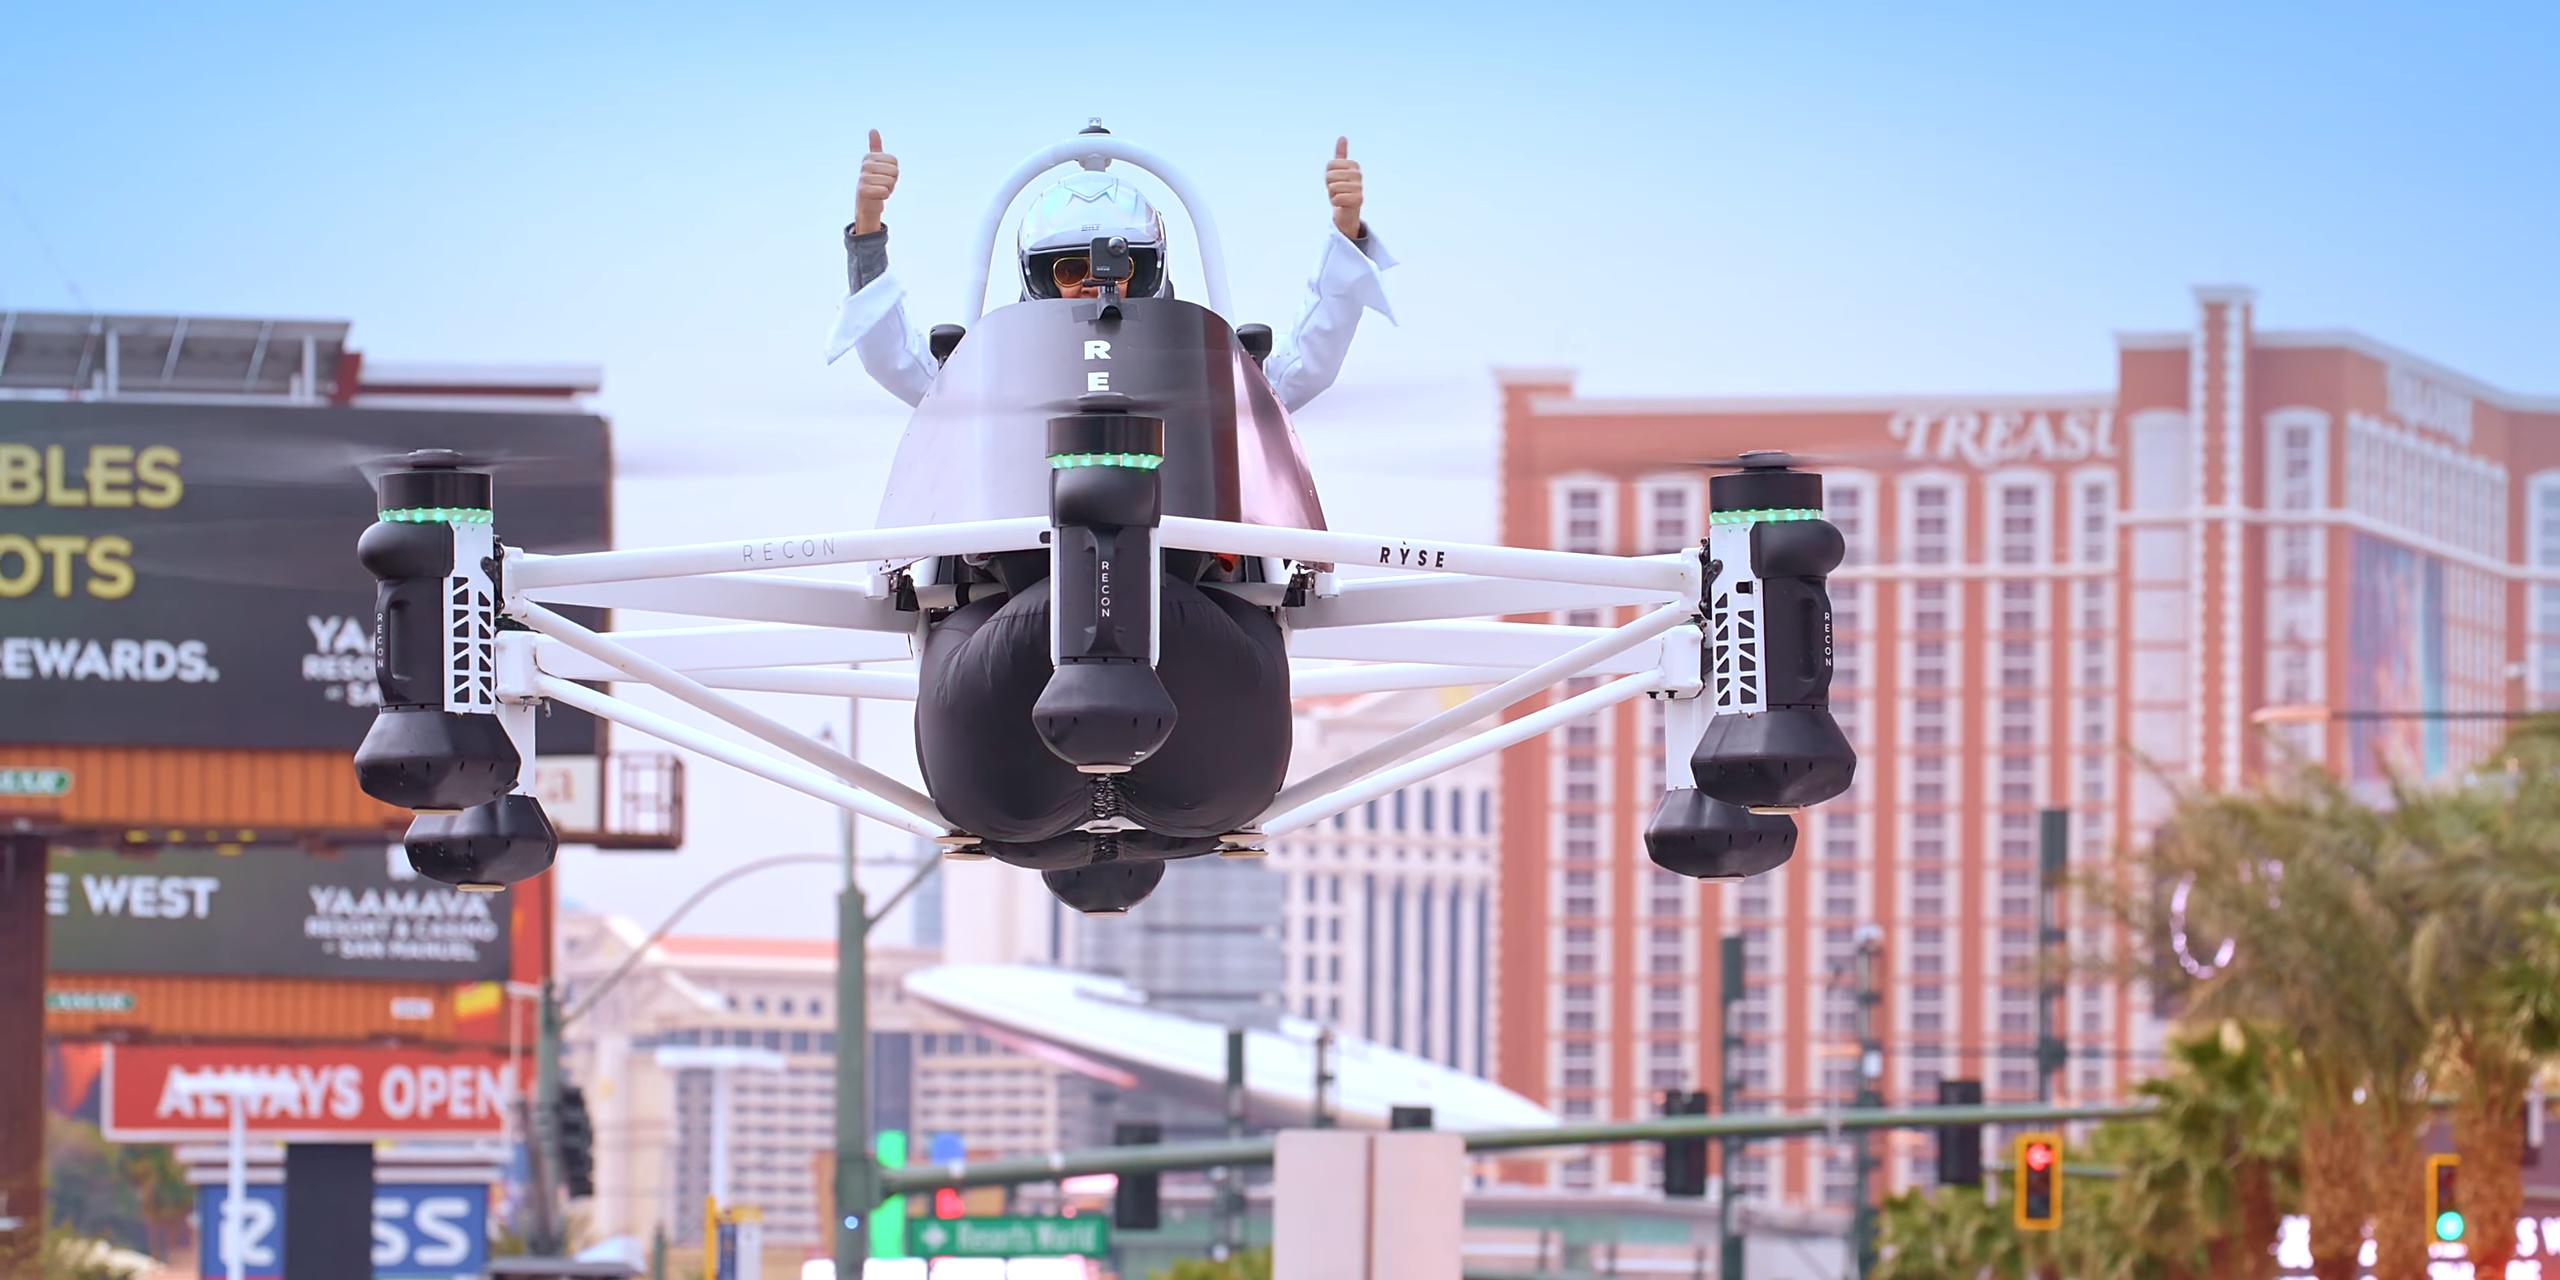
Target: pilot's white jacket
1304	360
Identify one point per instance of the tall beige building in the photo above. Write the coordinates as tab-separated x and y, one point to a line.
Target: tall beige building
1389	929
653	1124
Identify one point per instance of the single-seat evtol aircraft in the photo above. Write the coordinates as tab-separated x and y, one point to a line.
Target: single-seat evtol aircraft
1102	546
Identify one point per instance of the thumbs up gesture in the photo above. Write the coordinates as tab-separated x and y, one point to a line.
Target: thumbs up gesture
880	177
1341	185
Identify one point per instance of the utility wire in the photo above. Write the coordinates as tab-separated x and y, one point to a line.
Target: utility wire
45	246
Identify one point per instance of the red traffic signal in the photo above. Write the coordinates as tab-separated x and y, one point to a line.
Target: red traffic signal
2038	1205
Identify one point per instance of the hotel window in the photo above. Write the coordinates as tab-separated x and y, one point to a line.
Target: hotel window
1580	840
1670	893
2017	836
1671	520
1845	503
1579	888
2017	780
1933	522
1847	600
2018	606
2017	664
1929	663
2093	524
1929	606
2021	523
1585	515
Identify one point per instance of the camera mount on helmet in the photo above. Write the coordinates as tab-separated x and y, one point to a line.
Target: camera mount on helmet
1111	267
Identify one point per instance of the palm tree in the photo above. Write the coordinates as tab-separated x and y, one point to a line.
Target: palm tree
2297	874
160	1192
2476	970
2222	1150
1946	1233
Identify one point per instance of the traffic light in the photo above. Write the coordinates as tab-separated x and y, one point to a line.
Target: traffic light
2039	1174
1684	1160
577	1143
1959	1145
2444	1205
1135	1205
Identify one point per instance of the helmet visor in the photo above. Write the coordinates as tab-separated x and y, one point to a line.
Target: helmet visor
1051	275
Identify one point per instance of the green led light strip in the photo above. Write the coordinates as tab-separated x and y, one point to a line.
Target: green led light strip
1764	514
1141	461
437	515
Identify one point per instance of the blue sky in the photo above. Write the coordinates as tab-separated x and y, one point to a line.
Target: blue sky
1674	199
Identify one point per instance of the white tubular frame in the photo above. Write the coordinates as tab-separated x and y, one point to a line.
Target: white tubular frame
685	688
529	575
1095	151
1492	701
1483	744
607	707
1398	630
746	596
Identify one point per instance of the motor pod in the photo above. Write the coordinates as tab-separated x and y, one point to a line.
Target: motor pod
1772	744
436	745
1103	709
1698	836
1105	888
485	847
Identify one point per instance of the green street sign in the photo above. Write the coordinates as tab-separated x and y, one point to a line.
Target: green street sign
89	1001
1087	1236
34	782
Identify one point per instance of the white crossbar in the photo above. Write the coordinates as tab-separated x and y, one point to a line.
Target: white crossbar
858	546
748	597
743	647
825	682
1671	575
737	756
1416	599
1450	757
1388	677
1491	644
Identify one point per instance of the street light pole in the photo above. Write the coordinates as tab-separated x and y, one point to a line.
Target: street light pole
857	1175
547	1239
2054	855
1729	1007
1870	1096
236	1089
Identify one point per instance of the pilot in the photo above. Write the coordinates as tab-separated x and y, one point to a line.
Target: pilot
1058	231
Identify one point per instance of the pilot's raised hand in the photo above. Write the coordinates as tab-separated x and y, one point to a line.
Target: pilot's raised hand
880	177
1341	185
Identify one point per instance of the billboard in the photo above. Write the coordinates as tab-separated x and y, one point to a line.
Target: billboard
185	575
349	1093
2395	660
433	1231
269	912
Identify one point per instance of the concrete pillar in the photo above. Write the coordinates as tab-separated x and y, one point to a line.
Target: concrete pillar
1356	1205
328	1210
22	953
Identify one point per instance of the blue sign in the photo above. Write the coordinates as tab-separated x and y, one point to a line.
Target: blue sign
421	1232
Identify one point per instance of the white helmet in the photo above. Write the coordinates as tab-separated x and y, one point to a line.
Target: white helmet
1059	229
